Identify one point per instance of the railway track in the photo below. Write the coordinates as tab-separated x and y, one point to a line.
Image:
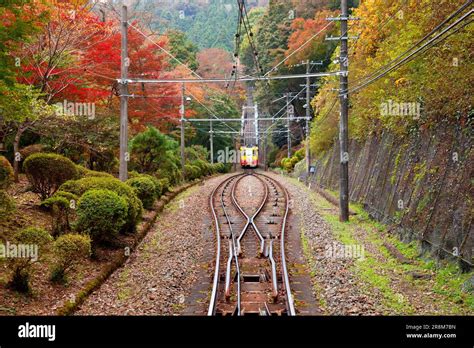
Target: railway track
250	274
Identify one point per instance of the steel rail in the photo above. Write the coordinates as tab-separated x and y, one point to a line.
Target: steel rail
274	275
215	282
286	281
250	219
233	251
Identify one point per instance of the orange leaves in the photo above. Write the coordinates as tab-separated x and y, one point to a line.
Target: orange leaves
303	30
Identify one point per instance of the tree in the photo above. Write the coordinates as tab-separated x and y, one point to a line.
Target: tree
22	109
182	48
214	62
151	149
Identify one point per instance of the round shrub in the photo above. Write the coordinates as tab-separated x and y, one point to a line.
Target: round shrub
47	171
156	182
101	214
6	173
21	266
79	187
220	167
33	235
145	190
69	250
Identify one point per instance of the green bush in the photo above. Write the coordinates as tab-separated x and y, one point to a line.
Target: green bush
220	167
7	204
79	187
6	173
84	172
69	250
21	266
300	154
156	181
101	213
165	185
145	189
47	171
60	205
192	172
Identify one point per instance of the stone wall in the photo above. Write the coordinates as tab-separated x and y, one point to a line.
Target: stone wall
422	185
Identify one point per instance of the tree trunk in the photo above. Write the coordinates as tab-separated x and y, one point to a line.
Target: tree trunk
16	148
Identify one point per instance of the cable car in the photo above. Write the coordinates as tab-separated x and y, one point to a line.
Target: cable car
249	157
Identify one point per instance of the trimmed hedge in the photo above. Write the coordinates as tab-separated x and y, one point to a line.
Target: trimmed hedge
47	171
101	214
6	173
69	250
145	189
135	207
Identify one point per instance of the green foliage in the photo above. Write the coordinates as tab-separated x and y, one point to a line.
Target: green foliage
199	21
182	48
79	187
192	172
85	173
21	266
289	163
157	184
101	213
165	185
13	33
7	204
69	251
145	189
152	151
60	205
220	104
47	171
220	168
6	173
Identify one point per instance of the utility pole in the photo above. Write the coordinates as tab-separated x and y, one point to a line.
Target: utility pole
288	123
124	155
343	121
211	136
308	67
265	153
182	112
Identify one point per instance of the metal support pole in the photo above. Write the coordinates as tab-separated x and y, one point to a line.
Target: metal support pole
288	124
343	122
211	143
308	110
182	112
124	63
265	153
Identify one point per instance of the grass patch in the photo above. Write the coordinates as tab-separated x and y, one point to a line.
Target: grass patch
374	275
316	286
